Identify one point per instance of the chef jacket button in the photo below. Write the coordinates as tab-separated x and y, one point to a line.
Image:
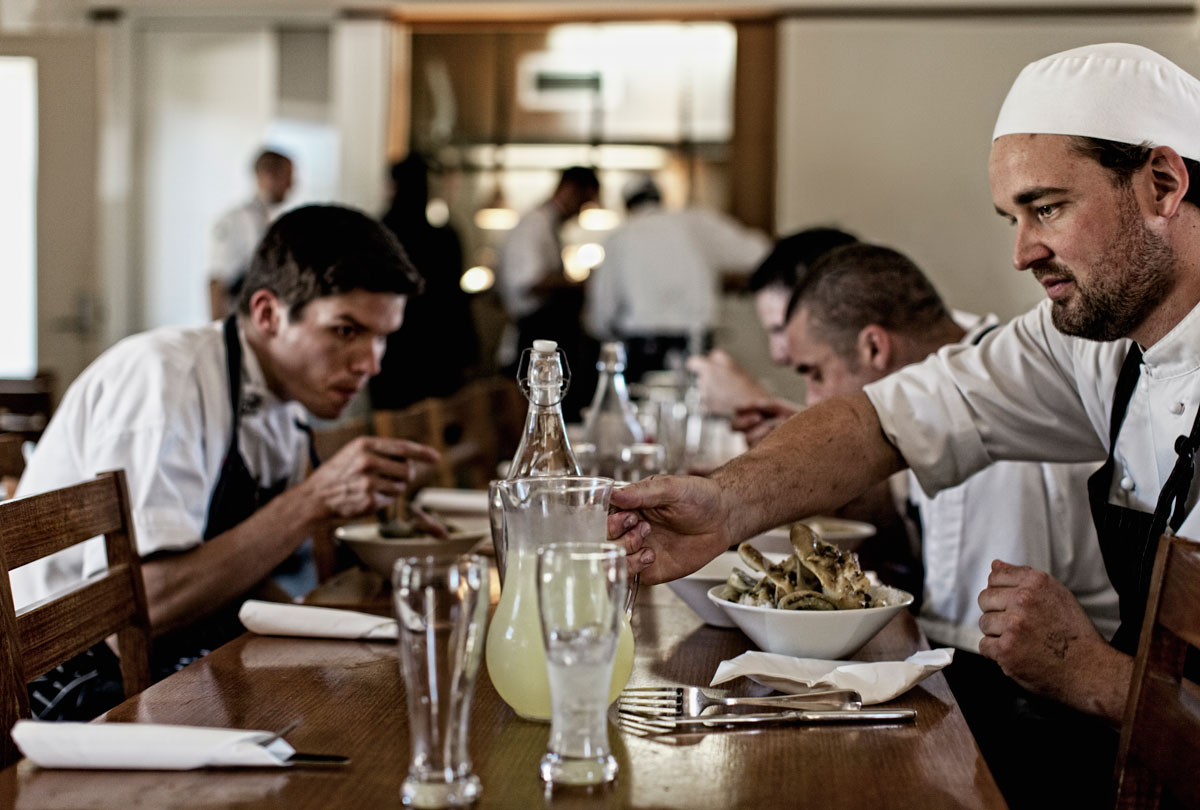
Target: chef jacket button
1177	408
1127	484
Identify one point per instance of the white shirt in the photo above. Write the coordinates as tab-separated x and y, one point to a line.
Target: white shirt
661	270
157	406
1030	392
235	237
529	253
1020	512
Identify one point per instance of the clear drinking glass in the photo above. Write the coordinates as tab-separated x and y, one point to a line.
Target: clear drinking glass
441	610
640	461
581	592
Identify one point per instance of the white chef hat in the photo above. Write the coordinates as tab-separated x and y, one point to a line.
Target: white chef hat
1114	91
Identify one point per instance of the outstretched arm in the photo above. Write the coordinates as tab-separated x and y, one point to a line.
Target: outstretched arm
812	464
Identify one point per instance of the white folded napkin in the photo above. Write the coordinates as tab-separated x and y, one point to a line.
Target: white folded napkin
283	619
473	501
146	746
876	681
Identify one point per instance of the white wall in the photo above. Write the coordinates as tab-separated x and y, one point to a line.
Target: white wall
360	86
206	100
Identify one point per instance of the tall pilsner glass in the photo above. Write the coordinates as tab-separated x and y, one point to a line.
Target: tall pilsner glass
581	593
441	610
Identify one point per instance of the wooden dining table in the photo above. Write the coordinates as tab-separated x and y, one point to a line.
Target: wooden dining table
349	699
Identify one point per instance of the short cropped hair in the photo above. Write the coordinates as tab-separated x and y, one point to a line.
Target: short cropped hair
322	250
792	255
270	161
1123	159
580	177
857	285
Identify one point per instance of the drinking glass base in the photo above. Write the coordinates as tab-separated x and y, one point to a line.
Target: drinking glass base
559	770
459	793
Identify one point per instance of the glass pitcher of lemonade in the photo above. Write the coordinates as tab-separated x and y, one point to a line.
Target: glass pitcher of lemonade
537	512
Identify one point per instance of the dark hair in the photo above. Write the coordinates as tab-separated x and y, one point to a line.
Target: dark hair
269	160
792	255
1123	159
580	177
857	285
321	250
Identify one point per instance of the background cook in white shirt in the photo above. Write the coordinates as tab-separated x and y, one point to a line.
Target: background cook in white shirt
236	233
662	268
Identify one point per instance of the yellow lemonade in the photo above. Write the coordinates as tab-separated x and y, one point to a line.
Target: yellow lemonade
516	654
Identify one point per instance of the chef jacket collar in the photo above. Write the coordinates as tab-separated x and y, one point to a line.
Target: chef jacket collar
1178	352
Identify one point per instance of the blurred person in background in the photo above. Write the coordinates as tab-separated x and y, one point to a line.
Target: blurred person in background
236	234
417	364
539	298
728	389
657	288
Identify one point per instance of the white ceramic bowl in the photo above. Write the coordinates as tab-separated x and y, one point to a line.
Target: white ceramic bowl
693	589
380	553
845	534
829	634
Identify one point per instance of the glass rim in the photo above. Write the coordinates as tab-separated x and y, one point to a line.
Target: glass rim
445	560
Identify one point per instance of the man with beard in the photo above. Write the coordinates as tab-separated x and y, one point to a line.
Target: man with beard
1094	163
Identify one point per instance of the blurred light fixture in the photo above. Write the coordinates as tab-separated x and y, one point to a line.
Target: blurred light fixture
437	212
496	215
580	260
595	218
477	279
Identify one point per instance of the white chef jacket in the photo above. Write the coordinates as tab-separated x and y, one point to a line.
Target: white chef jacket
661	270
235	238
1030	392
157	405
1017	511
529	253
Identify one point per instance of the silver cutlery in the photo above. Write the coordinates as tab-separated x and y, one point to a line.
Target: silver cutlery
691	701
643	725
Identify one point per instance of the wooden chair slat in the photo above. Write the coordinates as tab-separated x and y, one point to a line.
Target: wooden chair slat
55	630
1160	736
47	635
39	526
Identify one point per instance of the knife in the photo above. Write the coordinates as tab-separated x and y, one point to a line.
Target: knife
802	716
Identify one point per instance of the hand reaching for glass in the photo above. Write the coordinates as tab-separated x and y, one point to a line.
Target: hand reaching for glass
670	525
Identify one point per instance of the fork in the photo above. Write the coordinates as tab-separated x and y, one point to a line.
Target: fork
691	701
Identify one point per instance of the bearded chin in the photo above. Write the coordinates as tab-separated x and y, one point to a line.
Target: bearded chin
1090	322
1136	275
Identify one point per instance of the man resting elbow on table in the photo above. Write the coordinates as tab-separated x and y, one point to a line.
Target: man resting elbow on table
210	424
1107	219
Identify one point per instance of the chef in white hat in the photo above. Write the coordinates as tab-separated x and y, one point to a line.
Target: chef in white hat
1094	163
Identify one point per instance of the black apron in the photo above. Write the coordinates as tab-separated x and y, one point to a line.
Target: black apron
90	684
1128	537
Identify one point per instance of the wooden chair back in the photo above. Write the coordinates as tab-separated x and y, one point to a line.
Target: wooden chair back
474	430
12	463
41	636
1159	753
